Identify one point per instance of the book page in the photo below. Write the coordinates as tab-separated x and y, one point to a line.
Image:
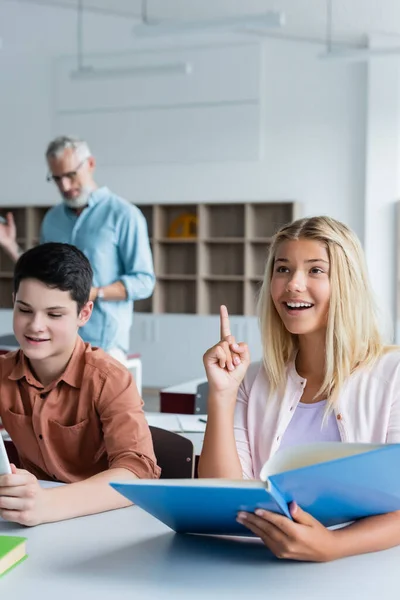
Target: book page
210	482
297	457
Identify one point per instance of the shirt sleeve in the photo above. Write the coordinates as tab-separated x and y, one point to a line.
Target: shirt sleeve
126	433
43	230
241	432
135	255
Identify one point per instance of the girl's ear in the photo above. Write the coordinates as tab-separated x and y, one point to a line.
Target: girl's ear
85	314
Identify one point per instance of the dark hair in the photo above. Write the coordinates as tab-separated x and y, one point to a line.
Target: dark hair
57	265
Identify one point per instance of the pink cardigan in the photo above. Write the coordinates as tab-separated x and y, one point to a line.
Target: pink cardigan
368	410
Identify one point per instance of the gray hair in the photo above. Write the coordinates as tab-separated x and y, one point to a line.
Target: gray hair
61	143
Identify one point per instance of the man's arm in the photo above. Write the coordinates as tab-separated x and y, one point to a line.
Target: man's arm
138	279
135	253
113	292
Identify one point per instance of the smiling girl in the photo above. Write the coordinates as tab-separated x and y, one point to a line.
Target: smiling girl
325	376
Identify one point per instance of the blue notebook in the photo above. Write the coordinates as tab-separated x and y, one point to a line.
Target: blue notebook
334	481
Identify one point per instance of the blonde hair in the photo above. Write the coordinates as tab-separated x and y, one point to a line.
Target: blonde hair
352	334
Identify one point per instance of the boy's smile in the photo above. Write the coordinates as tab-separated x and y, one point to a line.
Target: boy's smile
35	340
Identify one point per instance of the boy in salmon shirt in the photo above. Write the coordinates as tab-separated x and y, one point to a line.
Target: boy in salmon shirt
73	412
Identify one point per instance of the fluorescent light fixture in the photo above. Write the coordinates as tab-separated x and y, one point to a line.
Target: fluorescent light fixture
359	54
150	28
91	73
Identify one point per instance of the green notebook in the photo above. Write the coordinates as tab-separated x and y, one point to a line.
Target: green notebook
12	552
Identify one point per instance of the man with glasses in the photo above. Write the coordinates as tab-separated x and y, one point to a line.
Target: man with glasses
109	230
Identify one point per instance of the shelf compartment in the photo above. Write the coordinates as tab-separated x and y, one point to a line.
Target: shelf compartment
224	221
177	259
253	289
224	278
230	293
183	240
182	217
6	291
147	210
224	259
266	219
177	296
221	240
6	263
257	259
144	306
177	277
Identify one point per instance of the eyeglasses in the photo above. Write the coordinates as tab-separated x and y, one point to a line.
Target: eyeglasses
71	175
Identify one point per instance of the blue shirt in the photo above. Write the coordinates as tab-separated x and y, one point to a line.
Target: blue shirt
112	233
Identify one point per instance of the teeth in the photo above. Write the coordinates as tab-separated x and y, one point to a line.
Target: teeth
299	304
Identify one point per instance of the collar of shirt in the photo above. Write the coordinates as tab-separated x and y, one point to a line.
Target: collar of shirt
95	197
72	374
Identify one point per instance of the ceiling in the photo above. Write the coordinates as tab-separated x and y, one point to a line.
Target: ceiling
352	20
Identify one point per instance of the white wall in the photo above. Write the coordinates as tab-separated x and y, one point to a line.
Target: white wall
312	131
382	178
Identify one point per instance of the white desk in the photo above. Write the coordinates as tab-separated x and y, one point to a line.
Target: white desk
128	554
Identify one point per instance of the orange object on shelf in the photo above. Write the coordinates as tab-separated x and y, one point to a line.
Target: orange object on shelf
184	226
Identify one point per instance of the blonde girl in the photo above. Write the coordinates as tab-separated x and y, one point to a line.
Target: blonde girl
325	376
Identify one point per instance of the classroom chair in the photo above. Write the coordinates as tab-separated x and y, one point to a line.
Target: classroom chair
174	453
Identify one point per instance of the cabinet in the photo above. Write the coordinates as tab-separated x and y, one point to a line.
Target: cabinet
208	254
204	255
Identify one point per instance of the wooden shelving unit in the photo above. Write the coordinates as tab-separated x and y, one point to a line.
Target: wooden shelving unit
222	262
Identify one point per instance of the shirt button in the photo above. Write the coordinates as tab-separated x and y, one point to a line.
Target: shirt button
278	438
339	417
40	436
291	408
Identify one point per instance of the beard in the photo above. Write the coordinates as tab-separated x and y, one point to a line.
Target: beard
80	201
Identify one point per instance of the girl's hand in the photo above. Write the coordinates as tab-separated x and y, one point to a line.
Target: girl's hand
227	362
304	538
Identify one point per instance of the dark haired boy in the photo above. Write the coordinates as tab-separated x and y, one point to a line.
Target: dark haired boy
72	411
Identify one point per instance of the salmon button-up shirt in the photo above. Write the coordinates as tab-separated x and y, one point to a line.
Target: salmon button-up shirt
89	420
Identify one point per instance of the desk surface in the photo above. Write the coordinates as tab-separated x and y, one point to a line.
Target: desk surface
129	554
187	387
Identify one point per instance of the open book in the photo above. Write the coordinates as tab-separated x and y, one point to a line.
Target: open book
334	481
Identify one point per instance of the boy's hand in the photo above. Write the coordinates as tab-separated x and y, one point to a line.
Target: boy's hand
21	498
227	362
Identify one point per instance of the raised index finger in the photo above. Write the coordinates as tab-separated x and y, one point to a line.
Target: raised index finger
224	321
